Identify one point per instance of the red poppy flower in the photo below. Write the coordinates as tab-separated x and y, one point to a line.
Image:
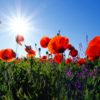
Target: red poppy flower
44	42
0	54
58	58
91	58
58	44
43	58
28	48
81	61
68	60
19	39
70	47
7	55
93	49
73	52
30	52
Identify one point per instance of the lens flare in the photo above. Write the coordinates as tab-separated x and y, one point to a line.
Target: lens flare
19	26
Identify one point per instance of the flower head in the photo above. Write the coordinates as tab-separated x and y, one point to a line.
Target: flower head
58	44
81	61
93	49
70	47
78	85
58	58
69	74
43	58
68	60
7	55
19	39
73	52
44	42
30	51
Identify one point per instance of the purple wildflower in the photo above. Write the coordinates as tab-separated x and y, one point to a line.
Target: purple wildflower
79	74
69	73
78	85
87	38
80	46
51	60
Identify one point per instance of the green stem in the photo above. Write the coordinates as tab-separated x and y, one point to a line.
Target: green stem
16	48
31	63
8	80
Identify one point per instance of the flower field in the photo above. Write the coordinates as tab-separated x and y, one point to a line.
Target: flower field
53	76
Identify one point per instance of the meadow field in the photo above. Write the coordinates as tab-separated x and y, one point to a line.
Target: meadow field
53	76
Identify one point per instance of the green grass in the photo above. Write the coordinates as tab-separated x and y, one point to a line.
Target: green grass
31	79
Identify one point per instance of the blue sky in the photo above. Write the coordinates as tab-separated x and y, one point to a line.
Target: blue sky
75	19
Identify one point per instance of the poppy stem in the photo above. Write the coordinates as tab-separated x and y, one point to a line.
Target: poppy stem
47	54
31	63
16	50
64	55
9	80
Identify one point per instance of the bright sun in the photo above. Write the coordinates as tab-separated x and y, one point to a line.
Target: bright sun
18	22
19	25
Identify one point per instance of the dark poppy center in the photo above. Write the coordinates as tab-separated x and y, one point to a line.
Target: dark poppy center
61	50
5	57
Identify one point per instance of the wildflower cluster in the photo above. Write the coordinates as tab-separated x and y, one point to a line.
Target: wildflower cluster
52	76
